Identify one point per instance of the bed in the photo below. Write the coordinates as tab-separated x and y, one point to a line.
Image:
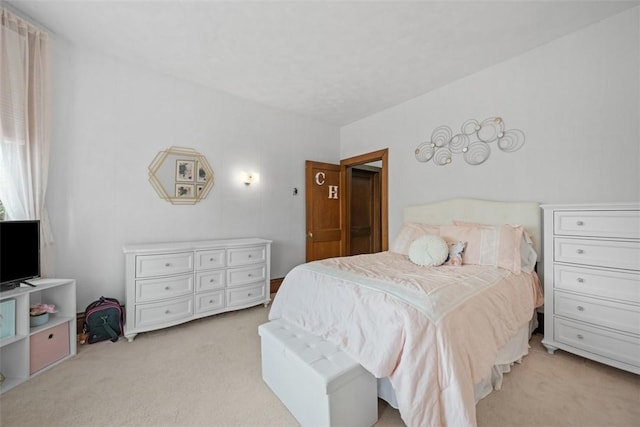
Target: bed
440	337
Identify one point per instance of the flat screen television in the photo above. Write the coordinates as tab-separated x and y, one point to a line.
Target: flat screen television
19	252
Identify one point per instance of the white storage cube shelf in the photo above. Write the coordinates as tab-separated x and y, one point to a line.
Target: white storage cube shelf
26	351
318	383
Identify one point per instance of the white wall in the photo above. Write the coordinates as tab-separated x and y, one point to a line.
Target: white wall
577	101
111	119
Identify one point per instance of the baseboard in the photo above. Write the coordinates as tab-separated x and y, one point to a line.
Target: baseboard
79	322
273	288
275	284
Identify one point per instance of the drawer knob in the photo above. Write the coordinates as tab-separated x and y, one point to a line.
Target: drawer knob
249	255
249	294
580	280
580	251
249	274
167	311
168	264
210	301
166	288
580	223
212	259
50	336
579	336
580	308
211	281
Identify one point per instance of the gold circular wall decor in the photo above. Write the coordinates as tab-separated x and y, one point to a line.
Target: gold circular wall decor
473	142
181	176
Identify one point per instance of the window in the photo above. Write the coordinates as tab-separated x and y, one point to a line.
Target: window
24	108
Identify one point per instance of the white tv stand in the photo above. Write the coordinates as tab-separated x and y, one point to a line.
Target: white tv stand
32	350
172	283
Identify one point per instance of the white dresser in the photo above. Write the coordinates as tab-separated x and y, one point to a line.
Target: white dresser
592	282
172	283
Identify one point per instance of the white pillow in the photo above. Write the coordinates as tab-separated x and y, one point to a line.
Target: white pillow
428	250
528	255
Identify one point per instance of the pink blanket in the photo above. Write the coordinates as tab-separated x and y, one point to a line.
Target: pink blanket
434	331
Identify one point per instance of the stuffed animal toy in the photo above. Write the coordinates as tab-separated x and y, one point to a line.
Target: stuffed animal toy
455	253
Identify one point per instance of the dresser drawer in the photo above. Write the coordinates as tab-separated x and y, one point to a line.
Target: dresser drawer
617	346
164	264
164	313
244	256
48	346
243	276
168	287
623	286
623	317
602	253
246	295
210	280
605	223
209	301
210	259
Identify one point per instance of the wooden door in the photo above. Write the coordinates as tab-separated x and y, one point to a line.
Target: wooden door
363	183
378	159
324	210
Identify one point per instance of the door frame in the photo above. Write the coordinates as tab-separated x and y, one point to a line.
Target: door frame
345	164
375	232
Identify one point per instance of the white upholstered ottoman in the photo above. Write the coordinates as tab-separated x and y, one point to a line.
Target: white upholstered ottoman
319	383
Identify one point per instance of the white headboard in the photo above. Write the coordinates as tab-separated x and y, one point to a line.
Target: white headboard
526	214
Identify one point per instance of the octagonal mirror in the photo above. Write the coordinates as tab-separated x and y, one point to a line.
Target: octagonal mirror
181	176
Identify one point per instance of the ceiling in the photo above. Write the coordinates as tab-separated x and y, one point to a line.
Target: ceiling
334	61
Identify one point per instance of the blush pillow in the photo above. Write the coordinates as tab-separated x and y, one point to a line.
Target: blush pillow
428	250
494	245
528	254
409	232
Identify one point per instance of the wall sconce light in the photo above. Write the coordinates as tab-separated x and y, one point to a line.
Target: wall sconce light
250	177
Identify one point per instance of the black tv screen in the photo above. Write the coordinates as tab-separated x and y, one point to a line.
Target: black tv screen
19	251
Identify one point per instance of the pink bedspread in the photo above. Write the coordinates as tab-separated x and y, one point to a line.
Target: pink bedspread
433	331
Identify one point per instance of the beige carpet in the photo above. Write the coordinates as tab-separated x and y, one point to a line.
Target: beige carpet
207	373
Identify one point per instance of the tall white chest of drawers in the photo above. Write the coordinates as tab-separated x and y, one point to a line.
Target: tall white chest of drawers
592	282
172	283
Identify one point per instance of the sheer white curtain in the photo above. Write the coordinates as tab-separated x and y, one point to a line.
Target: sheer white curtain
24	119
